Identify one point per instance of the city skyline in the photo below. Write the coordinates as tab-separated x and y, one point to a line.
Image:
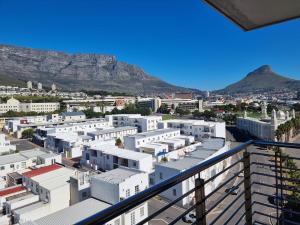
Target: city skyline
185	50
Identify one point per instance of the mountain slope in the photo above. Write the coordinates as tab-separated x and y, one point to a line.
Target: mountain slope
79	71
262	79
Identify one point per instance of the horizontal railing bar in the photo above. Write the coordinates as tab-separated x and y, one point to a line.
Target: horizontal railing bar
259	222
278	197
262	154
274	207
271	165
284	187
227	207
153	215
121	207
277	144
271	155
222	199
278	177
227	168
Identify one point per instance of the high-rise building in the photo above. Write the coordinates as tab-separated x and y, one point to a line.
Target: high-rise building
207	94
29	84
53	87
39	86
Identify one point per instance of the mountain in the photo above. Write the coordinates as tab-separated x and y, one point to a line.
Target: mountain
79	71
262	79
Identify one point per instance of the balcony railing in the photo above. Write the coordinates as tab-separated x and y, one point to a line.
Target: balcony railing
265	190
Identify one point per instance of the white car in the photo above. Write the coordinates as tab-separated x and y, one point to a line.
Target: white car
189	218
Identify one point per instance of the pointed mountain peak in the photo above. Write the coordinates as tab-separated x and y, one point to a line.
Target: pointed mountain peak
263	69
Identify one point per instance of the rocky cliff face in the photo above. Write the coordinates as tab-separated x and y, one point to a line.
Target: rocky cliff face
79	71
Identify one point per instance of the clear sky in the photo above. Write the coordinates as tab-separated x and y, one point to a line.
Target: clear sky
184	42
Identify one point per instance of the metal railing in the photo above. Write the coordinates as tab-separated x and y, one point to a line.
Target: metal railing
265	190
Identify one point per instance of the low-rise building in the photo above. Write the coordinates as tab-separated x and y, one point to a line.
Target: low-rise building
143	123
118	184
73	116
208	149
113	133
134	142
200	129
17	106
108	157
5	146
23	160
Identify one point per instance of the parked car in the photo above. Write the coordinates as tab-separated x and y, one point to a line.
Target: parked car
233	190
189	218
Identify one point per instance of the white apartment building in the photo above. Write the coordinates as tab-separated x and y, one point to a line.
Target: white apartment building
107	189
17	106
264	127
200	129
143	123
108	157
70	145
165	170
5	146
134	142
113	133
51	184
118	184
23	160
73	116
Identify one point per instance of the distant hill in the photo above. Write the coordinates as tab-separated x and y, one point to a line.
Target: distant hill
79	71
261	80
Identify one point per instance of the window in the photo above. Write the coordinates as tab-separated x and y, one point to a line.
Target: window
134	164
12	165
2	168
160	176
127	193
132	216
137	189
174	192
84	194
142	211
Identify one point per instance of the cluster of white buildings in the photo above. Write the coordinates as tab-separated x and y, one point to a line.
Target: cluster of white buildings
15	105
38	189
5	145
265	126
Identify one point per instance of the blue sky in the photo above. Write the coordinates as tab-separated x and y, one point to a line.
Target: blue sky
184	42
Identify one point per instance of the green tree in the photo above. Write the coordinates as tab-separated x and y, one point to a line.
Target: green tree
118	142
28	133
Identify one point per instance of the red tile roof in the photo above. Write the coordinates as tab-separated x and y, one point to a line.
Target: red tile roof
41	170
11	190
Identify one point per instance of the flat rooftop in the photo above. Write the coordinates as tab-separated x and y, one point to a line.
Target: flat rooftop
120	152
116	176
182	164
113	130
153	133
72	214
192	122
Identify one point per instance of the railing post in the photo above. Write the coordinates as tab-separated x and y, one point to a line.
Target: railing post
200	201
247	187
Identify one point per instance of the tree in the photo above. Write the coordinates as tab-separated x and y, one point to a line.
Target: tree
118	142
163	109
181	112
28	133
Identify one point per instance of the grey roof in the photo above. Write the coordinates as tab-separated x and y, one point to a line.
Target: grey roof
182	164
72	214
213	143
12	158
116	176
112	130
153	133
73	114
202	153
